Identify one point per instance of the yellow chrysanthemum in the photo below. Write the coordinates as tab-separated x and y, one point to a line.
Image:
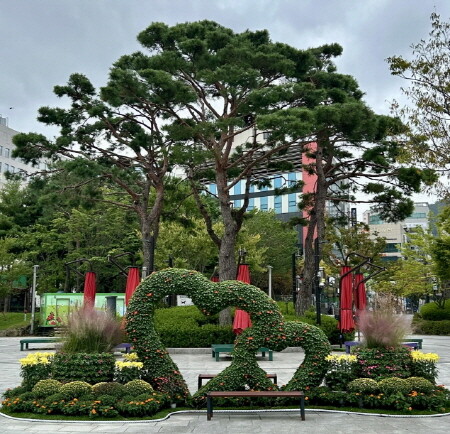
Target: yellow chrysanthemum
425	357
125	365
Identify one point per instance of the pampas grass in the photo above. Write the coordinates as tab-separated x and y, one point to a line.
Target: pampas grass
382	328
91	331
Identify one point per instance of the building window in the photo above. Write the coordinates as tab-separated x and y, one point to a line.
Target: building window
292	203
6	152
1	150
251	204
390	248
375	220
418	215
277	204
263	204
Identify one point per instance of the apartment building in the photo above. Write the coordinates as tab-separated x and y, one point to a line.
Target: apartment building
7	162
396	234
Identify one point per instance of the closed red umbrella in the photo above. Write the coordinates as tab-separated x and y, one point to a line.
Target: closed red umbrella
133	280
89	290
241	317
359	292
346	322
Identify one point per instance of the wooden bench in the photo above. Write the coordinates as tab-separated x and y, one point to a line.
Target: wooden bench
417	341
24	343
216	349
413	344
202	377
254	394
126	346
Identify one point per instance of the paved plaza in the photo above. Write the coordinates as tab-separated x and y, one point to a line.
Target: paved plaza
195	361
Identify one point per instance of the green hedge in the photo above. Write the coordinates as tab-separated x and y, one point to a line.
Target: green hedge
187	327
432	312
425	327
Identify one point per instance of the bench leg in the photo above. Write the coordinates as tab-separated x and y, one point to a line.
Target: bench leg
217	356
270	356
209	408
199	383
213	354
275	380
263	353
302	407
21	346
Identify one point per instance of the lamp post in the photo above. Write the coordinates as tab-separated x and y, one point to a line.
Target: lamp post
269	268
317	282
295	278
33	297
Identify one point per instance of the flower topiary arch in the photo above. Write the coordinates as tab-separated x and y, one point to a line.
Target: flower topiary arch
268	330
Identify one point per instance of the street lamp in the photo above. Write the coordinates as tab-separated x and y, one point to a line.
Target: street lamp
269	268
33	297
295	278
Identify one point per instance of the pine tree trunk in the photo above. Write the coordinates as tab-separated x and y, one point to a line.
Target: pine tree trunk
316	228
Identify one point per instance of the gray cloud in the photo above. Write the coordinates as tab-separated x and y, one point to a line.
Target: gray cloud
44	41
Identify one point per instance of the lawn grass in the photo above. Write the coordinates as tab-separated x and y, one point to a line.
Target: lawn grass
12	320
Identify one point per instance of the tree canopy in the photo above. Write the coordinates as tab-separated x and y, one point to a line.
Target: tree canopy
428	89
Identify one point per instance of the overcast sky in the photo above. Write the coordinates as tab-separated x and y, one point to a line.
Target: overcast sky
44	41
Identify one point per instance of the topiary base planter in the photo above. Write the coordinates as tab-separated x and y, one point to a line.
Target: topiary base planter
89	367
378	363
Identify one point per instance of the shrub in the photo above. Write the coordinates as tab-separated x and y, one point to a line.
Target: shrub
378	363
421	385
137	387
340	371
92	368
426	327
382	328
328	325
363	385
75	389
91	331
44	388
111	388
433	312
9	393
393	385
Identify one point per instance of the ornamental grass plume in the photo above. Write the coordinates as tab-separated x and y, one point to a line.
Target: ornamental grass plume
382	329
91	331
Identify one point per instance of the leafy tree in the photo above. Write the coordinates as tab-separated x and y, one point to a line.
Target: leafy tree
279	240
427	74
12	268
440	249
112	137
342	240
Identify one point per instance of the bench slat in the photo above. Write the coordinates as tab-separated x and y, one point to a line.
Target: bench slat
202	377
